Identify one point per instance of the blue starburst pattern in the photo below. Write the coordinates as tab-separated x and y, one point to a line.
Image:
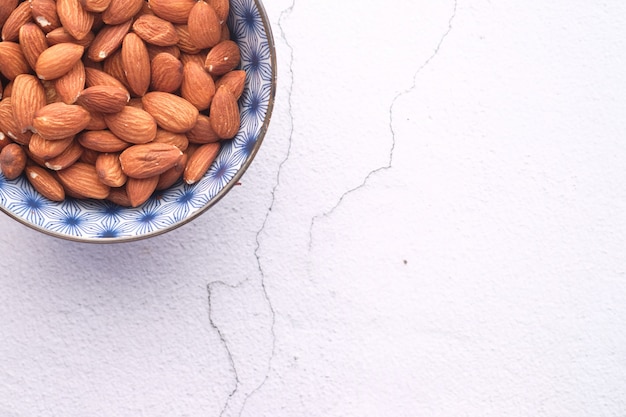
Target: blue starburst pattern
92	220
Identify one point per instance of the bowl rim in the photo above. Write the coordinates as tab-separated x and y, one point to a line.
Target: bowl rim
219	195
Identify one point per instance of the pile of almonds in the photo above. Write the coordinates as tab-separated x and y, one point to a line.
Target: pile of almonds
114	99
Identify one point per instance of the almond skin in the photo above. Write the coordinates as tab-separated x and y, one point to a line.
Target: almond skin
107	41
197	87
103	99
83	179
225	117
155	31
171	112
12	161
235	81
150	159
45	14
102	141
66	158
69	86
139	190
45	183
222	58
176	139
18	18
59	120
33	42
204	25
8	125
109	170
6	8
48	149
95	77
119	197
172	175
12	60
185	43
200	161
132	125
61	35
74	18
202	132
136	64
58	60
28	97
121	10
95	6
167	73
222	8
175	11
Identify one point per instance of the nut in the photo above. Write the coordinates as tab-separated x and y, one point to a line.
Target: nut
148	160
171	112
12	161
45	183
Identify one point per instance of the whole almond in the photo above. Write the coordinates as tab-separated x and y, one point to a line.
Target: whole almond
115	68
176	139
155	31
28	97
89	156
56	121
102	141
198	58
185	43
18	18
12	161
202	132
136	64
69	86
58	60
74	18
235	81
154	50
167	73
121	10
96	122
222	58
119	197
109	170
170	111
197	87
83	179
45	14
204	25
103	99
45	183
66	158
33	42
172	175
225	117
132	125
95	77
95	6
8	125
139	190
48	149
12	60
175	11
107	41
222	8
200	161
6	8
150	159
61	35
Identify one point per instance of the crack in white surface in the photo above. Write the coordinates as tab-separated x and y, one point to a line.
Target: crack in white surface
389	164
283	14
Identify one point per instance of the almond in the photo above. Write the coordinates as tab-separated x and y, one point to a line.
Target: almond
132	125
45	14
172	175
204	25
12	161
202	132
96	121
121	10
167	73
102	141
109	170
136	64
4	140
95	6
60	35
28	97
103	99
222	8
8	125
185	43
33	42
95	77
225	33
225	117
107	41
155	31
176	139
119	197
235	81
83	179
66	158
197	87
89	156
198	58
58	60
18	18
12	60
200	161
48	149
56	121
45	183
6	8
69	86
150	159
171	112
139	190
154	50
115	68
7	89
222	58
175	11
74	18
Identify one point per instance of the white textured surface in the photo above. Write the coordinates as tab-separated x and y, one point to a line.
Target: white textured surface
435	225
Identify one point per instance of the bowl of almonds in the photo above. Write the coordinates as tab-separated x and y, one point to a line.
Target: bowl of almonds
124	119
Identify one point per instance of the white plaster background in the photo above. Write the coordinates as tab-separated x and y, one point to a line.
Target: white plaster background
434	226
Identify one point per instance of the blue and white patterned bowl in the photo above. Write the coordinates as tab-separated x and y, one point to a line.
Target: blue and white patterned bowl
103	221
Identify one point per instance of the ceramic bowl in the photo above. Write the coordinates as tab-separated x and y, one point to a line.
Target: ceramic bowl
102	221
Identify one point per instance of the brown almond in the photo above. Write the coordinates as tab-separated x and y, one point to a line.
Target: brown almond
109	170
89	156
95	6
96	121
175	11
74	18
45	14
12	161
155	31
61	35
115	68
83	179
28	97
33	42
69	86
103	99
12	60
204	25
185	43
132	125
48	149
225	117
139	190
235	81
202	132
119	197
6	8
200	161
4	140
108	40
58	60
170	111
154	50
167	73
66	158
121	10
8	125
8	88
197	87
56	121
136	64
176	139
45	183
172	175
222	58
225	36
18	18
95	77
150	159
102	141
222	8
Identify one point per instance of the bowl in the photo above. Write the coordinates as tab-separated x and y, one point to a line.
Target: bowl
101	221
